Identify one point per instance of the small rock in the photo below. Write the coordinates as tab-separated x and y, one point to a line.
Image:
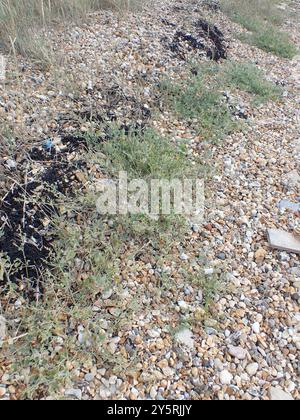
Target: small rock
11	164
184	257
211	331
260	255
72	392
104	392
237	352
292	179
134	393
221	256
81	177
252	369
218	365
256	328
107	294
277	394
167	371
112	347
153	392
89	377
291	387
153	333
184	307
196	228
185	337
200	314
2	392
225	377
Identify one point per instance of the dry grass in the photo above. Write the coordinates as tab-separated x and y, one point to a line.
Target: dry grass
23	22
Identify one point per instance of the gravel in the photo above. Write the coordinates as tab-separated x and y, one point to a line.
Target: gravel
248	346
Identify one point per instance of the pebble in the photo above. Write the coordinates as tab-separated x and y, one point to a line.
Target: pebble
167	371
260	255
11	164
277	394
185	337
237	352
184	306
252	369
292	179
153	333
134	393
72	392
226	377
153	392
89	377
184	257
107	294
256	327
104	392
221	256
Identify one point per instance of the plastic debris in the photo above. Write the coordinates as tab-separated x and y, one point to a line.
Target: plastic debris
48	145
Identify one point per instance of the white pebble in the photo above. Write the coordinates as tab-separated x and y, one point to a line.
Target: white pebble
252	369
256	328
225	377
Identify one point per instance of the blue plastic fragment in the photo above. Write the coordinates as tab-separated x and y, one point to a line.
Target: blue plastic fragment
48	145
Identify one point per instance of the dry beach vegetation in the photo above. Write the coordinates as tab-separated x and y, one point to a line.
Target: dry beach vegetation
127	307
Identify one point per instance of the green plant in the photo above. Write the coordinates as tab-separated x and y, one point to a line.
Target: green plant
145	154
274	41
209	285
249	78
261	18
69	325
7	140
251	13
202	103
85	264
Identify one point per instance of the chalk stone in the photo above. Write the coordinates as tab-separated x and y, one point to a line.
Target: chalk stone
284	241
